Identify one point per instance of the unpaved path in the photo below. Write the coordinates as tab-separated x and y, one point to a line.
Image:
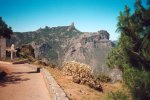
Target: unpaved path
22	83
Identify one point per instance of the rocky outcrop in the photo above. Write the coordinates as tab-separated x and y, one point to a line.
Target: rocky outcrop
71	27
89	48
92	49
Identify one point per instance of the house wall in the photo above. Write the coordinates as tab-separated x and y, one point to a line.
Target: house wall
2	47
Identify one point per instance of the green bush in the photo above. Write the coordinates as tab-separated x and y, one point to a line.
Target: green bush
118	95
132	53
138	82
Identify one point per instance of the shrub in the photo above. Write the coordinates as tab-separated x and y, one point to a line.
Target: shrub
82	74
138	82
132	53
118	95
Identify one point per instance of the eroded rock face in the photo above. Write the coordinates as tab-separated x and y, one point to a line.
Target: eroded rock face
90	48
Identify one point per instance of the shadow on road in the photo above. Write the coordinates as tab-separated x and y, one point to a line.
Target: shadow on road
12	78
31	72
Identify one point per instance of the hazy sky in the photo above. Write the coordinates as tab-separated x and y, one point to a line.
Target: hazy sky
88	15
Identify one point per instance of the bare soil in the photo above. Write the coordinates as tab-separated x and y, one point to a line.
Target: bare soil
82	92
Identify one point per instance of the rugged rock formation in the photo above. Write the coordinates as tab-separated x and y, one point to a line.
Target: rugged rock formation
71	27
92	49
66	43
89	48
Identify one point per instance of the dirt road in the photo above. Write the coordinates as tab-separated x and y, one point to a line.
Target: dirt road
22	83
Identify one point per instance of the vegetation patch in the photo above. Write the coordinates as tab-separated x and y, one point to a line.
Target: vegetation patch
132	53
118	95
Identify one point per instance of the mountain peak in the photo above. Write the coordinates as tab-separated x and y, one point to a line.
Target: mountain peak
71	26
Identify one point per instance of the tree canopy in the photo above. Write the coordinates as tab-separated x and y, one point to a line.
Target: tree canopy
132	54
5	31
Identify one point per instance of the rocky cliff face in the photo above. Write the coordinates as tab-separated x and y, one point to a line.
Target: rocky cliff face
66	43
89	48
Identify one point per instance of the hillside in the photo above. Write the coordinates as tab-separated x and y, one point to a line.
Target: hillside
47	42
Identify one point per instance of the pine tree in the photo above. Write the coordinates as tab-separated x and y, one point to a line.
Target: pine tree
5	31
132	54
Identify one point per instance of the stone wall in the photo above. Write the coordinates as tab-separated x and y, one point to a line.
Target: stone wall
2	47
57	93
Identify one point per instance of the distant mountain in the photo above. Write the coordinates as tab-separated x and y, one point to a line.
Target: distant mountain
47	42
66	43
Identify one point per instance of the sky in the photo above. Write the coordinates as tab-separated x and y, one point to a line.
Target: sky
87	15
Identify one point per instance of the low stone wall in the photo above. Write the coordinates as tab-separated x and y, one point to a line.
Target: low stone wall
55	90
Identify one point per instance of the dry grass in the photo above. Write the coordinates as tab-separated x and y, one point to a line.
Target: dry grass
82	92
